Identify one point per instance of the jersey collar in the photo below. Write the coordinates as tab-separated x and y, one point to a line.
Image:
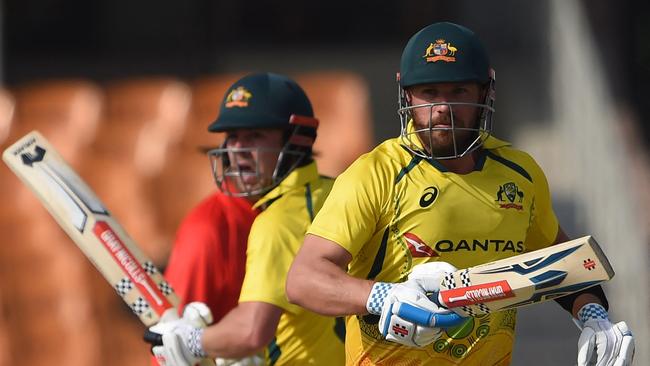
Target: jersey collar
494	143
297	178
490	143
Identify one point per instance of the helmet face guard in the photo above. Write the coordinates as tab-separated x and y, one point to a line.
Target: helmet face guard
257	102
231	180
417	140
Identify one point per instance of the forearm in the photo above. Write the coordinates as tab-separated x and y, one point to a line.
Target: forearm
244	331
582	300
318	281
328	290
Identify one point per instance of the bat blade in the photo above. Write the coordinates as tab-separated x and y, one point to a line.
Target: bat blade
526	279
79	212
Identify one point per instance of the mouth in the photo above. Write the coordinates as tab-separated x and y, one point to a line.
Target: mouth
243	167
441	125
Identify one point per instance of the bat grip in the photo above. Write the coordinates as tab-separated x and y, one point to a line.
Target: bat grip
153	338
433	296
428	318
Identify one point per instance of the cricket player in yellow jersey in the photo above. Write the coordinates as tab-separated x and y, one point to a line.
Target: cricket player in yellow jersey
270	129
444	195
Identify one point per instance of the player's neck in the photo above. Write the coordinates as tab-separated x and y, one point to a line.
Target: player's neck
461	165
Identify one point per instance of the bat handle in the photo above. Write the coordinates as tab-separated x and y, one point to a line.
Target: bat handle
153	338
433	296
428	318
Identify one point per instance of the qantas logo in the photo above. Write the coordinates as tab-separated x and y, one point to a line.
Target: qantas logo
475	245
417	247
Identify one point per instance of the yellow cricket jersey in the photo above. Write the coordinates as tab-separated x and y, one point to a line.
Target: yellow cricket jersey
302	337
392	210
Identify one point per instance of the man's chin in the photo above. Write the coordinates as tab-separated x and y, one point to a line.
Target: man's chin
445	146
442	147
252	185
448	150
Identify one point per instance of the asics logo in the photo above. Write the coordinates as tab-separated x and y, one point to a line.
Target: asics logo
428	197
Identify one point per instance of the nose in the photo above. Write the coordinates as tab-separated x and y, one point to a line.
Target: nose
443	107
440	109
233	143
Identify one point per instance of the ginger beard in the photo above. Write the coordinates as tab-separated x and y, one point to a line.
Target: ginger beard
438	136
433	123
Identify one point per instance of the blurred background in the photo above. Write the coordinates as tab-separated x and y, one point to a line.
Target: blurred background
126	89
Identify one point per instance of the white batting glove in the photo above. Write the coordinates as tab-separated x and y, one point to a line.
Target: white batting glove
386	299
602	343
408	316
180	339
248	361
427	277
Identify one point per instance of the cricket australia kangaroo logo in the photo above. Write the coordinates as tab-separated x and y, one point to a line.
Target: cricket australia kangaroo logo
440	51
238	97
512	194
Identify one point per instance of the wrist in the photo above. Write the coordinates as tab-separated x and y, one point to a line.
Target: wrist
195	343
591	311
378	294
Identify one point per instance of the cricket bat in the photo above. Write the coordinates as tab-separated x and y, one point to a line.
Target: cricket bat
79	212
517	281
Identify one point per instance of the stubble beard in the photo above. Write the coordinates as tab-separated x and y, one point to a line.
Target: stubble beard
441	142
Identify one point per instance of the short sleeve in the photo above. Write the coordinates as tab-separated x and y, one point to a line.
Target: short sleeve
356	205
268	258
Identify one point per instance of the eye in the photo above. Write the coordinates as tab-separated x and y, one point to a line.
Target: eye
425	94
430	92
461	90
231	139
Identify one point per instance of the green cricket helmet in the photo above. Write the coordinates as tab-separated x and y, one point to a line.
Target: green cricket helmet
263	101
445	53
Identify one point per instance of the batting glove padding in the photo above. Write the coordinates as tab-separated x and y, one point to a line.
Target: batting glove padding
426	278
602	343
392	325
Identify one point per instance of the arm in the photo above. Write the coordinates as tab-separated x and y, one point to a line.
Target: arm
244	331
600	340
186	341
318	281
